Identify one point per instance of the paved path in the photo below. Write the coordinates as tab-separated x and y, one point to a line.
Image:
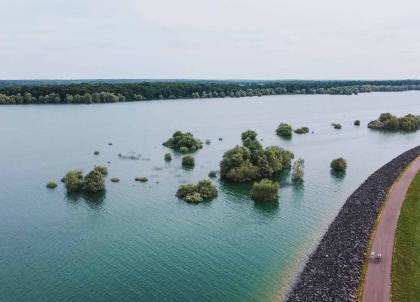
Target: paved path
377	287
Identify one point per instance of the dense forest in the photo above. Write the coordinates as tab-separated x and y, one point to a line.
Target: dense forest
111	91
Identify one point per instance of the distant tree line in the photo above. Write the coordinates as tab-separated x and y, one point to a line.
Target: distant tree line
86	93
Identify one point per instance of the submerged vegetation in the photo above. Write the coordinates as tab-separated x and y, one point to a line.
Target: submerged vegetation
191	193
87	92
336	126
265	190
389	122
284	130
183	142
301	130
339	164
251	161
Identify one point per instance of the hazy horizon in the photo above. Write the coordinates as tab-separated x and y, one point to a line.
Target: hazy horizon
193	39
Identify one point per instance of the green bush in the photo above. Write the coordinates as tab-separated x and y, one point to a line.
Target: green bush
284	130
336	126
389	122
101	169
73	181
188	161
93	182
302	130
183	142
265	190
250	161
51	185
339	164
168	157
357	123
203	190
297	170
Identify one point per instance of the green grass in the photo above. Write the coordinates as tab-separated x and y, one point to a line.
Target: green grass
406	259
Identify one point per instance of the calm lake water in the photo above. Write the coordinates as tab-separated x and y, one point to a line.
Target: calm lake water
138	242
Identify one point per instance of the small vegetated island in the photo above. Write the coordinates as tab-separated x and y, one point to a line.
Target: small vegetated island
112	91
338	164
389	122
183	142
252	162
92	182
284	130
195	193
265	190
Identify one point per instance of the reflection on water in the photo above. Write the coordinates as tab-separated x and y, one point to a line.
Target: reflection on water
93	200
338	175
268	209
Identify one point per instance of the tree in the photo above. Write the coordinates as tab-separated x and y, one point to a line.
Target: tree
251	161
188	161
186	141
297	170
265	190
93	182
73	181
203	190
339	164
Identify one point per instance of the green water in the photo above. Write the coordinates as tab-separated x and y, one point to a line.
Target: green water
138	242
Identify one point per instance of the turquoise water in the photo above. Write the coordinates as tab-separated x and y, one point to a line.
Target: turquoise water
138	242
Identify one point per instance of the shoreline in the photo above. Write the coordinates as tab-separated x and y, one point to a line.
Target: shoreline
334	268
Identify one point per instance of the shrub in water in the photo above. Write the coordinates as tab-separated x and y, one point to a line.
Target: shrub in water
73	181
357	123
101	169
212	173
141	179
168	157
336	126
302	130
284	130
188	161
93	182
203	190
297	170
96	153
265	190
183	140
339	164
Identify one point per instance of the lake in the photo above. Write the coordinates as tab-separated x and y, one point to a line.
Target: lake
138	242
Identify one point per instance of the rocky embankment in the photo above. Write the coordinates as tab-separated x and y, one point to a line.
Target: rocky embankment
332	272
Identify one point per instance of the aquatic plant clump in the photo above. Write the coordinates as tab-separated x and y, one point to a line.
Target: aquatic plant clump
265	190
301	130
203	190
339	164
188	161
284	130
183	142
389	122
212	174
251	161
357	123
336	126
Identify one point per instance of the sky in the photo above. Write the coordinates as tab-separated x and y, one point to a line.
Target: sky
211	39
